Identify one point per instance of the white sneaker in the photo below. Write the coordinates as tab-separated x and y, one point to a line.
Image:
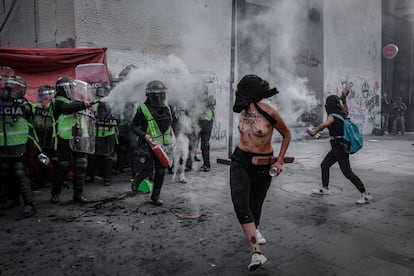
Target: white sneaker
321	191
182	179
260	237
364	199
257	260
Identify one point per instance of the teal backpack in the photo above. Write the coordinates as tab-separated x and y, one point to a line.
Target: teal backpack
352	136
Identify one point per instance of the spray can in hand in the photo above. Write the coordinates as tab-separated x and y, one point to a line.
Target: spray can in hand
160	153
317	135
273	171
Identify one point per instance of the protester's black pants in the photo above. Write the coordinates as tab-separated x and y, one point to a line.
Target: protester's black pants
206	128
337	154
249	185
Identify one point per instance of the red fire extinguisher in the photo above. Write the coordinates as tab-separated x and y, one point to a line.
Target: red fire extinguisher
160	153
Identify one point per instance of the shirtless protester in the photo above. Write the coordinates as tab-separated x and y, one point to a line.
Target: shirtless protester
249	183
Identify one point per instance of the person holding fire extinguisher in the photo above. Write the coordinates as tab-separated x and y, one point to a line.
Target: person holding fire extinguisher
151	128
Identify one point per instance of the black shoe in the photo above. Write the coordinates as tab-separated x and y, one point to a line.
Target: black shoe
197	159
155	200
54	199
204	168
80	199
107	183
9	204
28	210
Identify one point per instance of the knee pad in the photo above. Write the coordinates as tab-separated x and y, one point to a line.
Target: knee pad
4	169
81	163
19	170
64	166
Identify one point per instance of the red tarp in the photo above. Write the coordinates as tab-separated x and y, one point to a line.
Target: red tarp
41	66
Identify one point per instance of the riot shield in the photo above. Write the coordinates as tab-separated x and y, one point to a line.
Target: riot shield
83	131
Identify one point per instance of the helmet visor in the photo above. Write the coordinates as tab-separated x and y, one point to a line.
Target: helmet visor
65	89
46	96
17	89
157	99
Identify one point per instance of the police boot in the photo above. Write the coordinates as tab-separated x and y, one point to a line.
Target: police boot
28	210
205	151
107	172
78	196
54	199
107	182
155	198
60	173
9	204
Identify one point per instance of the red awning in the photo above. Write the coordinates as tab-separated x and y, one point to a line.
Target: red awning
41	66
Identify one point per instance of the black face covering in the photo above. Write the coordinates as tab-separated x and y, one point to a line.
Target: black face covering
333	105
251	88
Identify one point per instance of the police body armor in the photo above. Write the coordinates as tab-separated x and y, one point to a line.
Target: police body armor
14	129
106	129
78	128
44	123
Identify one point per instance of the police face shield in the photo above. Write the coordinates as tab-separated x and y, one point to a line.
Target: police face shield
65	89
45	95
157	98
101	92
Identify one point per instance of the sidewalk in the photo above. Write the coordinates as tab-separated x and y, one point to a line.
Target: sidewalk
196	231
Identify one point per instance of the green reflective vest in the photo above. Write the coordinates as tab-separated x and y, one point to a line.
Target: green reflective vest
43	119
14	128
153	129
104	126
66	122
208	115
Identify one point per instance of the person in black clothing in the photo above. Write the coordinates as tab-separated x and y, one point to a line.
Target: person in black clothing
334	104
386	108
399	110
206	123
15	131
44	124
106	139
63	112
153	123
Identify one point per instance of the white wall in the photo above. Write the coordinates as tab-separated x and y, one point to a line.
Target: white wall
352	51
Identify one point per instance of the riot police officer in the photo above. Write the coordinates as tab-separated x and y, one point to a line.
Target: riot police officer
75	135
15	131
153	122
106	138
44	124
206	123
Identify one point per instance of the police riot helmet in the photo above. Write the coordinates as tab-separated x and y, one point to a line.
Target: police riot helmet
64	86
156	93
15	87
102	91
45	93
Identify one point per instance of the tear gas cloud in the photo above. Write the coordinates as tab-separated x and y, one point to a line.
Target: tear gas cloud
282	26
183	89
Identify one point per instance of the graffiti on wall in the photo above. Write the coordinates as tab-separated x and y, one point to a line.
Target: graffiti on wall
307	58
363	102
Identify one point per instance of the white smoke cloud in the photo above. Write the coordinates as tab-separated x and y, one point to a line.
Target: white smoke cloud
279	30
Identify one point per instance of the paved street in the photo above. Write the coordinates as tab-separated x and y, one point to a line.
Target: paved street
196	231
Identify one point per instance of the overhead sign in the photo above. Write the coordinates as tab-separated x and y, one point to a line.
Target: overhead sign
390	51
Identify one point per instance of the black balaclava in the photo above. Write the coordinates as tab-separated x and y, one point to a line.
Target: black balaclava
333	105
250	89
